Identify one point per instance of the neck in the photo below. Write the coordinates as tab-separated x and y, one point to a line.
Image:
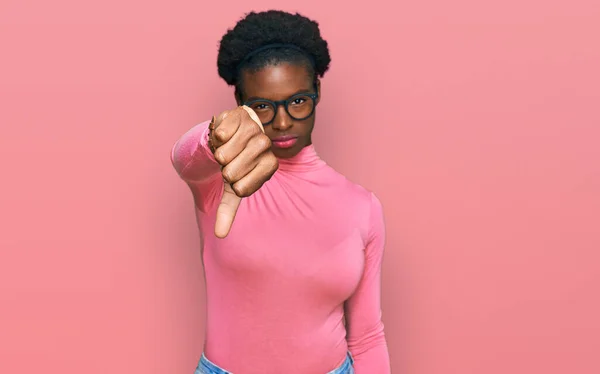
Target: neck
305	160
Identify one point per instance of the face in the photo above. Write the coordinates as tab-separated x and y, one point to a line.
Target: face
280	82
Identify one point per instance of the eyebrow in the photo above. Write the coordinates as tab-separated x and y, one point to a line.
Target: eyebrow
304	90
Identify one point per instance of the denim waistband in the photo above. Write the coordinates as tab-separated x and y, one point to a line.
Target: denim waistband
207	367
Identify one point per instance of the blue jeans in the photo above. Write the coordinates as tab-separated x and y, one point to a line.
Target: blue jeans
207	367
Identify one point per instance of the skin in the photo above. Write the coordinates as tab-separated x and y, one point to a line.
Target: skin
243	146
279	82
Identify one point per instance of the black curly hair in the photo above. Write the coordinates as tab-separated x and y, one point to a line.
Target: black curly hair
268	38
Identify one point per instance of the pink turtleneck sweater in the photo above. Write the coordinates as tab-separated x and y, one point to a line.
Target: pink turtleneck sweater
304	253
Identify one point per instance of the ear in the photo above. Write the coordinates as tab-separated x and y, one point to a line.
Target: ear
318	84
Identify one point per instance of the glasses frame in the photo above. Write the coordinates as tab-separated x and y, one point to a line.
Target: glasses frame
285	103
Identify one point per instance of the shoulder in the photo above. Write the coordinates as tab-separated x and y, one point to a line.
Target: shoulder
363	203
356	191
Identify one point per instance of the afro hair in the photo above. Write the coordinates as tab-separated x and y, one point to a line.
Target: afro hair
272	27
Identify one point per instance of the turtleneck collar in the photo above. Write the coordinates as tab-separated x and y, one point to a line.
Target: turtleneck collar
306	160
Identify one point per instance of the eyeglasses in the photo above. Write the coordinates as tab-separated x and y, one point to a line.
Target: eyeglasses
299	107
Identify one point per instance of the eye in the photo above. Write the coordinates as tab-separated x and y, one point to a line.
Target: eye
298	101
261	106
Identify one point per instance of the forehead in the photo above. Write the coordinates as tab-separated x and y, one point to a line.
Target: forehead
277	82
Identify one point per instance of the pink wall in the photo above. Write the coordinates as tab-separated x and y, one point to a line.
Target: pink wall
478	126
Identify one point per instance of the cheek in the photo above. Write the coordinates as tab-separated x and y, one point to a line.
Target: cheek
306	127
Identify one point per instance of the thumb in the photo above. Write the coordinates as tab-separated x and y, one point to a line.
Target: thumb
226	211
230	201
254	117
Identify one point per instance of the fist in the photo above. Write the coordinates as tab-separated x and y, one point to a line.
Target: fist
240	145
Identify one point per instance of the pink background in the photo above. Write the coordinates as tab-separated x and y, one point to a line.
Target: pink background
477	123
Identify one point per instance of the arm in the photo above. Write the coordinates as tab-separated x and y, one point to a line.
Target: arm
366	339
195	164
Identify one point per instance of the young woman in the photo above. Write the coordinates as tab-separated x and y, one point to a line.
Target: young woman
292	250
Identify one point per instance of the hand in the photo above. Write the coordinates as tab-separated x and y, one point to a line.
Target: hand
240	145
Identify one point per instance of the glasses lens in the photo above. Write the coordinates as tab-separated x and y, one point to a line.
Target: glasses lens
264	110
300	107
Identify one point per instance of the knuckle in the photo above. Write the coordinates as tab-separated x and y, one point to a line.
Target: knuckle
271	165
227	175
240	113
272	160
249	126
221	117
241	190
223	125
263	141
274	167
220	157
219	134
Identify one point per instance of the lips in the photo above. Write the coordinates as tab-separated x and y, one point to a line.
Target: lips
284	138
285	141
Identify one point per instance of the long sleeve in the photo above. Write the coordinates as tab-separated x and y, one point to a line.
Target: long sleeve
194	163
365	336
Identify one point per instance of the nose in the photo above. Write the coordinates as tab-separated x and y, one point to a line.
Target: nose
282	120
